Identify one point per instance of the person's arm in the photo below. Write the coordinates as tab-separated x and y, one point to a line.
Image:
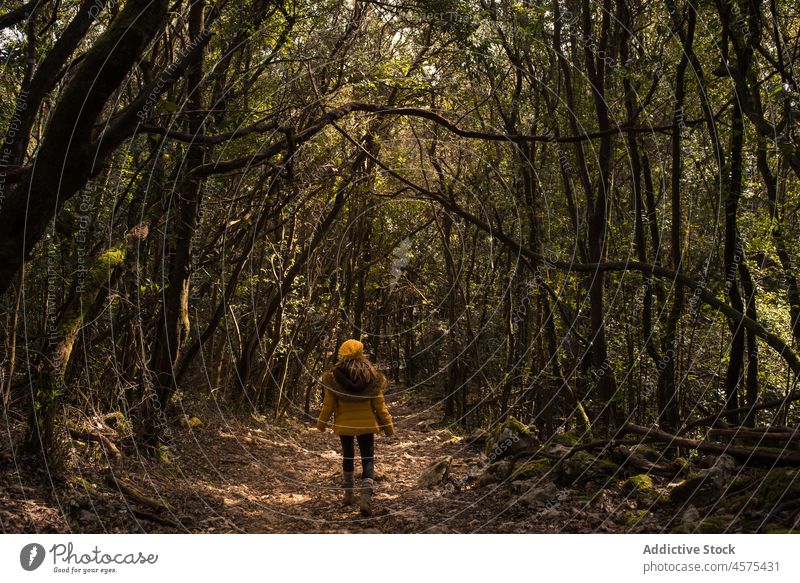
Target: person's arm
328	405
382	412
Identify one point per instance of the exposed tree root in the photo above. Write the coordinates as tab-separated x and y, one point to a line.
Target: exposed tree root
134	493
107	445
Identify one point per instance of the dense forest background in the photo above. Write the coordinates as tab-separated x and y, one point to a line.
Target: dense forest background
581	215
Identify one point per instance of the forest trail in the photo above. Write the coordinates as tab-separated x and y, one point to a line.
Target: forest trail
287	478
226	473
240	474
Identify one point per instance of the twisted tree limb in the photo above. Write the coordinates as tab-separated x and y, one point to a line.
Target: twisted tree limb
710	419
758	435
17	15
743	454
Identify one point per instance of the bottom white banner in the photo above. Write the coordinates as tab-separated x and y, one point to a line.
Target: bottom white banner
388	558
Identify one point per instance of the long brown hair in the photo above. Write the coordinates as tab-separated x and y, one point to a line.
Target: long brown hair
359	368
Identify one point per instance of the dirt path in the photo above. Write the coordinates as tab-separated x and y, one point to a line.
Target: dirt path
287	479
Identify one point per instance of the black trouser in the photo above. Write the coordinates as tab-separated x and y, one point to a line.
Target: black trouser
366	445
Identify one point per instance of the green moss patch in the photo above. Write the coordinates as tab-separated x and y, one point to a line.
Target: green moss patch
568	438
716	524
631	518
584	465
778	485
531	469
508	437
639	483
642	488
117	421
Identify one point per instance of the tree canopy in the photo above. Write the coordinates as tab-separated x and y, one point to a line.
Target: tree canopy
579	214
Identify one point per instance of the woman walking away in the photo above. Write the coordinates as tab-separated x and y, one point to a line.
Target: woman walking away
354	396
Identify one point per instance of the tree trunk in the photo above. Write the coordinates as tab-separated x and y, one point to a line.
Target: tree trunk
66	157
173	325
49	386
668	387
598	216
732	260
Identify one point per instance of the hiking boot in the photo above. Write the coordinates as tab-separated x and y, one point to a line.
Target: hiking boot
348	483
365	503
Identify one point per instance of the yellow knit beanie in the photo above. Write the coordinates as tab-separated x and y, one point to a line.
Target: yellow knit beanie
351	349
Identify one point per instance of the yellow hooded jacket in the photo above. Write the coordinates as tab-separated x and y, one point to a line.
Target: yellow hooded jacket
354	411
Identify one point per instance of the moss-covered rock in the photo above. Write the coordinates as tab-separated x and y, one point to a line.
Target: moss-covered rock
632	518
585	466
639	483
698	489
531	469
577	464
779	484
717	524
568	438
494	473
734	504
509	437
648	453
605	467
641	488
436	472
